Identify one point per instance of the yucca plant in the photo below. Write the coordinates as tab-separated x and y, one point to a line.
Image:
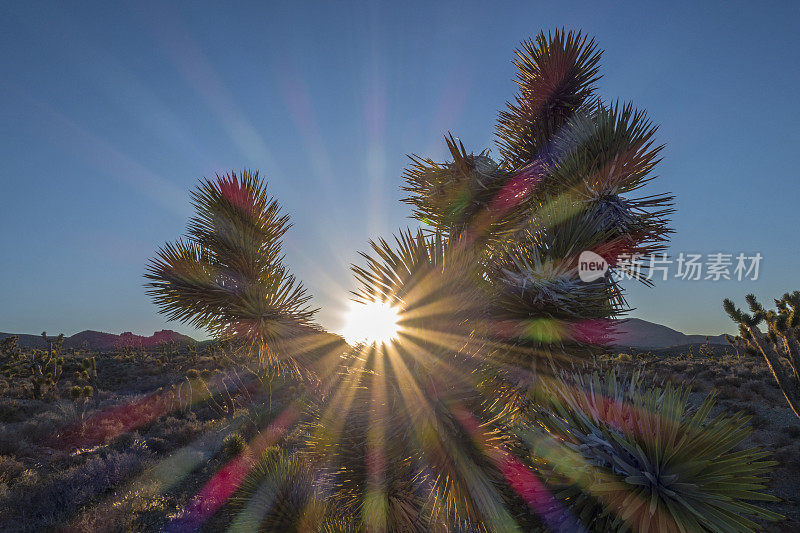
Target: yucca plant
228	275
626	455
779	345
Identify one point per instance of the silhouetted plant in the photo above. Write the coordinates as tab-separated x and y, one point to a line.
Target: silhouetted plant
228	275
566	182
780	345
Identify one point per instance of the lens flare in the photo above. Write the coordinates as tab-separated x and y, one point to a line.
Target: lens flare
371	323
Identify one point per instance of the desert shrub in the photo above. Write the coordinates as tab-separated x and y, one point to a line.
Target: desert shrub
17	410
43	426
131	442
177	431
707	373
158	445
11	443
45	505
626	455
232	445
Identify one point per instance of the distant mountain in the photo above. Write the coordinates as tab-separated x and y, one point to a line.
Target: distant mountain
637	333
98	340
631	333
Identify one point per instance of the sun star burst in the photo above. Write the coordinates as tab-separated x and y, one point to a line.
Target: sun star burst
371	323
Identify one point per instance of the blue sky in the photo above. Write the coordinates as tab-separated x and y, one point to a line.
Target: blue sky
109	115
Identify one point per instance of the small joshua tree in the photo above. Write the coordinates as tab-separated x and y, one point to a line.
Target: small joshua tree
779	345
80	397
87	377
46	367
228	275
46	373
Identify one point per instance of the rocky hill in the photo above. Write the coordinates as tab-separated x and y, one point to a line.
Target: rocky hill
98	340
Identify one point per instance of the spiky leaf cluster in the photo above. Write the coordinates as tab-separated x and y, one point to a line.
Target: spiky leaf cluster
433	282
630	456
556	75
227	275
566	182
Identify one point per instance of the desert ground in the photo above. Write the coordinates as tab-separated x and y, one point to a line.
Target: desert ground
143	455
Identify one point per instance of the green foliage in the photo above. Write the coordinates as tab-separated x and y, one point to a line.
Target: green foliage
556	75
80	397
630	456
779	345
436	288
228	275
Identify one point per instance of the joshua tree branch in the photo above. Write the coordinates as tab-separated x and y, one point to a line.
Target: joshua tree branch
789	387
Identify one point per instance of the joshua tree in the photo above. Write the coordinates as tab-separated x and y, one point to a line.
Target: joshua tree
228	275
80	397
46	369
491	284
443	429
780	345
565	182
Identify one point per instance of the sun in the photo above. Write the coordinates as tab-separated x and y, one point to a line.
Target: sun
372	323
